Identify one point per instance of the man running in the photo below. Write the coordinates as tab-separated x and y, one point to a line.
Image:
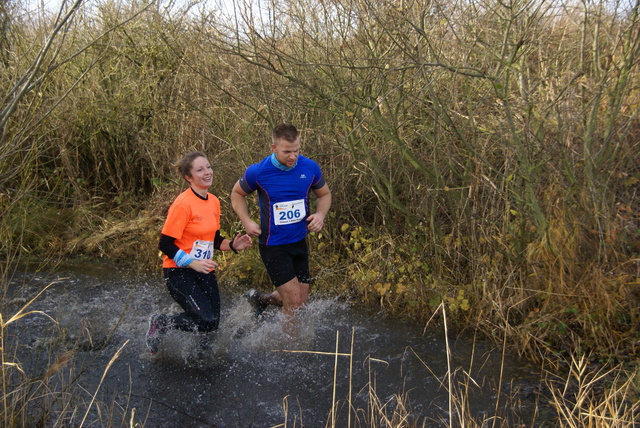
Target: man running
283	180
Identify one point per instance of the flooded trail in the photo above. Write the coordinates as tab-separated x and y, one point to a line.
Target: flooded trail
251	374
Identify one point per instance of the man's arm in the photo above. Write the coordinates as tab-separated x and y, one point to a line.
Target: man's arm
239	205
315	222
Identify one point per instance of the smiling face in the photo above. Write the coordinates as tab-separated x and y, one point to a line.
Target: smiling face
201	175
287	152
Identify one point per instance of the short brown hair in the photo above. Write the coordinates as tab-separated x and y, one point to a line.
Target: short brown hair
285	131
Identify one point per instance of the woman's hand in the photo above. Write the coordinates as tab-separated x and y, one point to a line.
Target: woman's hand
240	242
203	266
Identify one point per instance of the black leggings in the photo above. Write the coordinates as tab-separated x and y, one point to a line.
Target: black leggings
198	295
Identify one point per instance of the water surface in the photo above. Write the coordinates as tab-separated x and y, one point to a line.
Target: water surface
253	374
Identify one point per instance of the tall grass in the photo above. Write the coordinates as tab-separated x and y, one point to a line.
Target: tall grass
595	397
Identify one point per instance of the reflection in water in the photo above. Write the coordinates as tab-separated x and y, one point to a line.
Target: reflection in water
251	374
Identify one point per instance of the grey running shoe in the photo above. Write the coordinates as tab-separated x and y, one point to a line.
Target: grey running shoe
256	302
157	328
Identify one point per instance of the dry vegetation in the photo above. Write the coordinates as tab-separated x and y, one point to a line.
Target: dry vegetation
482	154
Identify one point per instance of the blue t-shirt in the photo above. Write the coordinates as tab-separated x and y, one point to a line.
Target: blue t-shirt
283	197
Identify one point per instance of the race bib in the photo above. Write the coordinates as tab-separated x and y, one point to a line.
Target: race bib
289	212
202	250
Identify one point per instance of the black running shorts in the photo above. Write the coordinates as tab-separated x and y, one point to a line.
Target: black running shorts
285	262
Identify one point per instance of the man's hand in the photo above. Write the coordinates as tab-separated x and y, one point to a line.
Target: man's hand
252	228
315	222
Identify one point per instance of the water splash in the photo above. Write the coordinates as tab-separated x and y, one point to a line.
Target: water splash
242	336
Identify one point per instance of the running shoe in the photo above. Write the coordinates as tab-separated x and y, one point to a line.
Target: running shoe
157	328
256	302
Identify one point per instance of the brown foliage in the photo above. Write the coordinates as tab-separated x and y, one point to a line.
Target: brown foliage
481	155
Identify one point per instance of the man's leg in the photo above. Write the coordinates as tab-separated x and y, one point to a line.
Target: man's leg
288	268
291	295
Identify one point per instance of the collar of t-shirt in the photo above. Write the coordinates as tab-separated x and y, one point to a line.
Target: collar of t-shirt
206	197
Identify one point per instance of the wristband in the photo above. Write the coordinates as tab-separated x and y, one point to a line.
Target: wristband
231	246
182	259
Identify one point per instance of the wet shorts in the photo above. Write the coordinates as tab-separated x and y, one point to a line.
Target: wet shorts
285	262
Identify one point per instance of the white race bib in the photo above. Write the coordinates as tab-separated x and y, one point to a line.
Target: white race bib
289	212
202	250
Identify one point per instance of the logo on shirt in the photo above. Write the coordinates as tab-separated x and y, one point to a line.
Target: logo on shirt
303	176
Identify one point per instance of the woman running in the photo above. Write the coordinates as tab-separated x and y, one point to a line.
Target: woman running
190	235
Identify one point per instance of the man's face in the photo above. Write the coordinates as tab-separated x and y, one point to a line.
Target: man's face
286	152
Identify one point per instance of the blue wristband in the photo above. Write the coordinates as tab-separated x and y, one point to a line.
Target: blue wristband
182	259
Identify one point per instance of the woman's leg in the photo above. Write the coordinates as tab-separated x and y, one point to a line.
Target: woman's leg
198	295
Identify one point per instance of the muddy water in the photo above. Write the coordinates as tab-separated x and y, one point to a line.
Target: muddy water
251	374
